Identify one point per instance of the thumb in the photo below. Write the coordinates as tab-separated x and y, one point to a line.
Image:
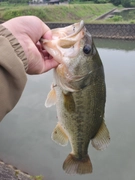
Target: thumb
48	35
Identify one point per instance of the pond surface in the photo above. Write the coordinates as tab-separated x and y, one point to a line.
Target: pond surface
127	14
25	133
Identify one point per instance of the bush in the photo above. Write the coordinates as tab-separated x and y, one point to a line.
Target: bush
101	1
18	1
125	3
116	2
117	18
132	21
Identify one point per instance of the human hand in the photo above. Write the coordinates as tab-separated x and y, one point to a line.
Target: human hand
28	30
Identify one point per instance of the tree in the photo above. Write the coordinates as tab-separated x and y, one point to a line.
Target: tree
116	2
18	1
126	3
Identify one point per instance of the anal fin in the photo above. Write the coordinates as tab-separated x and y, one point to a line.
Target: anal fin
102	138
59	135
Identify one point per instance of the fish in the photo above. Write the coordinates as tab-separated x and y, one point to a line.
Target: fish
79	93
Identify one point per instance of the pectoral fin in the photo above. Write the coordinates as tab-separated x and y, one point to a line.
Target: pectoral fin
102	138
59	135
51	98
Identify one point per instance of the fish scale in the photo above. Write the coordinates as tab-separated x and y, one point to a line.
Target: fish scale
79	93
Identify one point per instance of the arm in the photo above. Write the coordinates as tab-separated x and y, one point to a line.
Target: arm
21	53
13	64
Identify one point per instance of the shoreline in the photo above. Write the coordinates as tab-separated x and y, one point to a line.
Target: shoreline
8	172
106	31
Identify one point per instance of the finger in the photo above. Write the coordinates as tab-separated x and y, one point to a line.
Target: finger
46	55
48	35
37	63
34	27
35	60
49	64
38	45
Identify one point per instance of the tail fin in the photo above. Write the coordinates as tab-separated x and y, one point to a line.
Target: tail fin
73	165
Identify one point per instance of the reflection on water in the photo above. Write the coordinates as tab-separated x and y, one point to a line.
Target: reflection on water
125	45
25	133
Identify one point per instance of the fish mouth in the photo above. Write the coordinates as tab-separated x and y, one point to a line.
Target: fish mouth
68	31
65	42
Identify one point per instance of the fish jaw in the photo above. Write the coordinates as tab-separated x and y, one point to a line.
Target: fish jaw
63	41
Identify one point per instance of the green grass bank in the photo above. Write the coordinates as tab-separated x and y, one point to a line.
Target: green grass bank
67	13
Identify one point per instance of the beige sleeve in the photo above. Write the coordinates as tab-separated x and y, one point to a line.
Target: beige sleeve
13	66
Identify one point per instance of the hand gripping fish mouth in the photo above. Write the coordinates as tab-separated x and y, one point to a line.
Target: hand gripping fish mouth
65	47
64	43
79	93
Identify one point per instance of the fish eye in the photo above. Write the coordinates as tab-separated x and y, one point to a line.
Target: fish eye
87	49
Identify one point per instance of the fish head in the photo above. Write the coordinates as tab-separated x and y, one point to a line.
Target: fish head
63	44
73	48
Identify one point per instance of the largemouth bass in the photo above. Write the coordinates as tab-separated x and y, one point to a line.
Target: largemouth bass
79	93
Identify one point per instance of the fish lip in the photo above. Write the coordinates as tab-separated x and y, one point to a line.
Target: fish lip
77	29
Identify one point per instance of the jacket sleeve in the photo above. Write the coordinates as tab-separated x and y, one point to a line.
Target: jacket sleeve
13	66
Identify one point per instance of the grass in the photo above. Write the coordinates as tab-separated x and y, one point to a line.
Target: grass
56	13
63	13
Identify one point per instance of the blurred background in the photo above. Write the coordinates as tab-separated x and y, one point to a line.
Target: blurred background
25	133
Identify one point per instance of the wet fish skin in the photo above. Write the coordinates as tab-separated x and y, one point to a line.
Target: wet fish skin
80	94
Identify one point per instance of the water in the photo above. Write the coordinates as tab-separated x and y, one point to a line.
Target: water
127	14
25	132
